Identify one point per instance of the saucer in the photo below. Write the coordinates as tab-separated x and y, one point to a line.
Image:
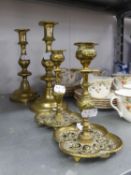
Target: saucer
127	86
103	103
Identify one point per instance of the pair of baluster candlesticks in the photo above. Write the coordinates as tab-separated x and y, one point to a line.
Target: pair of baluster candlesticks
24	93
50	110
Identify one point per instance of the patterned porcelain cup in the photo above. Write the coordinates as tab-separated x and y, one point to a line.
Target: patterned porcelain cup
120	80
100	88
70	77
123	105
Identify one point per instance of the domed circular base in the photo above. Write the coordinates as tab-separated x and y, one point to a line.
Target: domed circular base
23	96
42	104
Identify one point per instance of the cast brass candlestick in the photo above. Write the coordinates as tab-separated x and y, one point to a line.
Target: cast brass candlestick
45	105
85	54
57	57
48	33
24	94
62	116
93	140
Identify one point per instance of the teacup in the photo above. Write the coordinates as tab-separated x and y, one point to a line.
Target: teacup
123	105
70	77
100	88
120	80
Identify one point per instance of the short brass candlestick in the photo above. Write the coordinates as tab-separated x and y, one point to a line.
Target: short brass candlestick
62	116
93	140
45	105
57	57
48	33
24	94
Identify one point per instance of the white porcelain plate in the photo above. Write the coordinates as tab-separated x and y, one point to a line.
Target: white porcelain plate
127	86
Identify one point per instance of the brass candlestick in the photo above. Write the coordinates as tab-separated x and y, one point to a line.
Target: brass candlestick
45	105
93	140
24	94
48	33
57	57
62	116
85	54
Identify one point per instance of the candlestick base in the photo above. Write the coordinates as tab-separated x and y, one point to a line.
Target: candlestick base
66	118
103	143
42	104
23	96
45	108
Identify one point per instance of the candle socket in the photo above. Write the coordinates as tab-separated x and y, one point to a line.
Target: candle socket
48	33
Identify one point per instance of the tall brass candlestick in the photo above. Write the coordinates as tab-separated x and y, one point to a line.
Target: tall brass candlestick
24	94
46	104
48	33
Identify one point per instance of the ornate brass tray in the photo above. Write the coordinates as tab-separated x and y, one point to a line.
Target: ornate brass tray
103	145
67	120
72	132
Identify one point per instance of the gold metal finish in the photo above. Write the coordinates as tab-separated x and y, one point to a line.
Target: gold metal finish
101	146
22	39
45	105
57	57
48	33
62	116
85	54
25	93
72	132
92	141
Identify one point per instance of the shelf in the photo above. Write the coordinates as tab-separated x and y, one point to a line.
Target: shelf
27	149
109	6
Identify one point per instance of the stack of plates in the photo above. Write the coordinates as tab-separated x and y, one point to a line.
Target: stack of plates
99	103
